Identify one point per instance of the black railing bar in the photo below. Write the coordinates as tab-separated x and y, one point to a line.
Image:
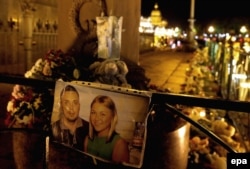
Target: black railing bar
188	100
201	128
28	130
239	106
10	79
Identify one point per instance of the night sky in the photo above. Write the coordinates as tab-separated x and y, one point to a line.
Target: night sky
177	12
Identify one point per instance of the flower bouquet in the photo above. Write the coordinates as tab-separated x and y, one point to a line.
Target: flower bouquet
54	65
29	108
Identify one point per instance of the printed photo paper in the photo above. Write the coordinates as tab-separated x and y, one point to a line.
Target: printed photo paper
101	121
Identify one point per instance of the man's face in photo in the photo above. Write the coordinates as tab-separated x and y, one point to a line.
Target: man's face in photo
70	105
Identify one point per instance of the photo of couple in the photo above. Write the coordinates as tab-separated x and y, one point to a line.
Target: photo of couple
99	122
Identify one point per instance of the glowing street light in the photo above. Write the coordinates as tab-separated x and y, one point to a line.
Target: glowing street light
243	29
211	29
191	32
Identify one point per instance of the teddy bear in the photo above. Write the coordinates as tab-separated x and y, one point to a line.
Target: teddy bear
199	144
227	133
221	127
110	71
217	162
198	147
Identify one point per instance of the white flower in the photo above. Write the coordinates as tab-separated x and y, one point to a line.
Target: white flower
10	106
37	103
28	74
39	65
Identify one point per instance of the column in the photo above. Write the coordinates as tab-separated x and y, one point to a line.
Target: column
27	37
191	31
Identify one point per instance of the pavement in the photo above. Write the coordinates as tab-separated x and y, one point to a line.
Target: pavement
166	69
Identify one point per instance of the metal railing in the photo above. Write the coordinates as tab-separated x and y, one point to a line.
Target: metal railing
13	58
166	99
231	67
157	98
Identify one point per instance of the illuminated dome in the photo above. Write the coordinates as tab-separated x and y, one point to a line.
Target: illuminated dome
155	16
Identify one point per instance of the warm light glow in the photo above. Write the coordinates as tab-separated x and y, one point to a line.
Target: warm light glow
246	47
239	76
211	29
146	25
243	29
159	31
245	85
233	38
14	20
202	113
177	29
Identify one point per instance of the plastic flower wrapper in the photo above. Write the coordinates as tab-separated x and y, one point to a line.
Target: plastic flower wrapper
29	108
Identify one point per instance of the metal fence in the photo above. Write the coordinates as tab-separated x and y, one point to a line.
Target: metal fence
230	64
13	59
167	99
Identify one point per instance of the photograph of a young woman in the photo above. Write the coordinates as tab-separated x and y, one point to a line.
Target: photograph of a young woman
103	141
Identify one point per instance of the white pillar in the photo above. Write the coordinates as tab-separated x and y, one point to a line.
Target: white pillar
27	37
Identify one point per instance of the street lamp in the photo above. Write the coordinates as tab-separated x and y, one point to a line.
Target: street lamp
191	21
211	30
191	31
243	29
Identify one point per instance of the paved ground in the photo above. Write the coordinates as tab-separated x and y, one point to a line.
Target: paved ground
166	69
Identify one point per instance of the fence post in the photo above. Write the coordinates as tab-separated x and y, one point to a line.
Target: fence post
230	74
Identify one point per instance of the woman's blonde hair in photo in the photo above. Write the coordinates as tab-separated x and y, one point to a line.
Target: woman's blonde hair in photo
109	103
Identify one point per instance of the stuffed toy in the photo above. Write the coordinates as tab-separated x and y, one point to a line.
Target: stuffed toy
217	162
200	145
112	72
221	127
227	133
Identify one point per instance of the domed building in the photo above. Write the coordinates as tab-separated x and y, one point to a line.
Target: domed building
156	18
159	25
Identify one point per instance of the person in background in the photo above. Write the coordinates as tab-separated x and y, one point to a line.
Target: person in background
70	129
103	141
